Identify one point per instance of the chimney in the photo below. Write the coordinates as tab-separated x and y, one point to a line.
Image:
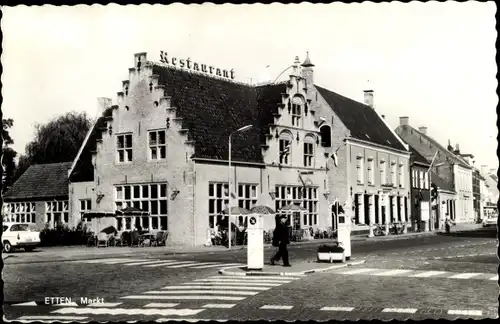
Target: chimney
368	97
493	171
484	169
450	148
423	130
404	121
457	149
102	104
383	116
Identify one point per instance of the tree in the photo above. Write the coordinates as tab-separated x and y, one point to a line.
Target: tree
8	155
57	141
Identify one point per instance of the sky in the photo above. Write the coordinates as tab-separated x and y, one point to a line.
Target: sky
433	62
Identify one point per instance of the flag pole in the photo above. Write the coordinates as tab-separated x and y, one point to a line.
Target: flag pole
429	172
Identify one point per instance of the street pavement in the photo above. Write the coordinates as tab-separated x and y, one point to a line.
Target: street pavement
433	276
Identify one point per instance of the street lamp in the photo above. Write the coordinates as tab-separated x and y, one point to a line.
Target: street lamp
242	129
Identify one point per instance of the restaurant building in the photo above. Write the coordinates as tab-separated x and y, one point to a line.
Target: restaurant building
163	152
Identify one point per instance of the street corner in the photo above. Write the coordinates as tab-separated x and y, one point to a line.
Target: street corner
298	269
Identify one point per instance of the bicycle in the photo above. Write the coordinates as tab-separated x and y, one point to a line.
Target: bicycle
379	230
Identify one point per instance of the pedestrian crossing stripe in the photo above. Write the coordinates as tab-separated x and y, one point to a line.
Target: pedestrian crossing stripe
239	283
160	305
400	310
267	281
465	312
419	274
149	263
173	292
464	275
392	272
130	311
181	297
427	274
337	309
50	318
215	286
282	307
219	305
104	304
256	278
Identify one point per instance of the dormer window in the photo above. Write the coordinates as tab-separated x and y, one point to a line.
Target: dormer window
326	135
285	143
297	105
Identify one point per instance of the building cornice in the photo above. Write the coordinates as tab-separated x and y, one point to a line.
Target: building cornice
214	161
371	145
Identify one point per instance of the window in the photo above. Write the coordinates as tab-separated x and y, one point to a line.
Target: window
157	145
151	197
383	175
19	228
307	197
19	212
308	152
56	212
421	179
247	196
426	176
124	147
393	174
401	176
85	207
371	180
326	135
218	200
359	169
296	111
285	148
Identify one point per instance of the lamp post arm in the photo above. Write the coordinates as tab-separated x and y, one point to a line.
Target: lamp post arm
282	73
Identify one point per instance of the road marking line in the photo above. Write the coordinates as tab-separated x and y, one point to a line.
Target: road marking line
428	274
464	275
244	280
124	261
494	278
166	264
192	320
276	307
255	278
129	311
247	293
465	312
399	310
190	264
213	286
356	271
158	297
219	305
392	272
98	260
104	304
146	262
240	283
52	318
337	309
217	265
31	303
160	305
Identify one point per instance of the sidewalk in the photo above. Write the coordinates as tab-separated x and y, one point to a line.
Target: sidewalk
298	269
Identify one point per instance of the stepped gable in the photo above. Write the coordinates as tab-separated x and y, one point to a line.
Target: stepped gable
212	108
41	181
361	120
84	170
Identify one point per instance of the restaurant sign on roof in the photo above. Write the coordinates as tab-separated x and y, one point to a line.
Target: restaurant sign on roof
195	66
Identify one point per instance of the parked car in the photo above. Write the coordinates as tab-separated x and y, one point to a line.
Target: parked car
490	220
19	235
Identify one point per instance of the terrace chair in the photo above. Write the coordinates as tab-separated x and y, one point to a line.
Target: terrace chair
102	240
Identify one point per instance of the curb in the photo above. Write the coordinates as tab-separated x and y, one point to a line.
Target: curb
224	271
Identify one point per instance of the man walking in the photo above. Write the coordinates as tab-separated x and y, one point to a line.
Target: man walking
281	238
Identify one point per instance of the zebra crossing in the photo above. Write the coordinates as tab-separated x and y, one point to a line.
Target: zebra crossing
411	273
179	300
159	263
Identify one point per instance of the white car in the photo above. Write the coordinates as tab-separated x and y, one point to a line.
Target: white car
490	220
19	235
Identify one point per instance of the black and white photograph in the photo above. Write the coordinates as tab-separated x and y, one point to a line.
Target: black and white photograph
245	162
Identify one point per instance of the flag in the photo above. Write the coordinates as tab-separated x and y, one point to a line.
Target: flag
432	162
335	159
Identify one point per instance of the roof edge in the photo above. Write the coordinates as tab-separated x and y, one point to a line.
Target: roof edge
84	144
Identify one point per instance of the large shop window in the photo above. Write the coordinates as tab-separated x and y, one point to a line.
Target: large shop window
297	111
247	195
285	148
308	151
151	197
19	212
124	147
85	207
218	200
157	145
56	212
307	197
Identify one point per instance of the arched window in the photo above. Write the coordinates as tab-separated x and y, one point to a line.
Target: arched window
285	147
297	104
309	151
326	136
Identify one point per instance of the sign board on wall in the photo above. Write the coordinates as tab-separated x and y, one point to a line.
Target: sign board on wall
424	210
195	66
